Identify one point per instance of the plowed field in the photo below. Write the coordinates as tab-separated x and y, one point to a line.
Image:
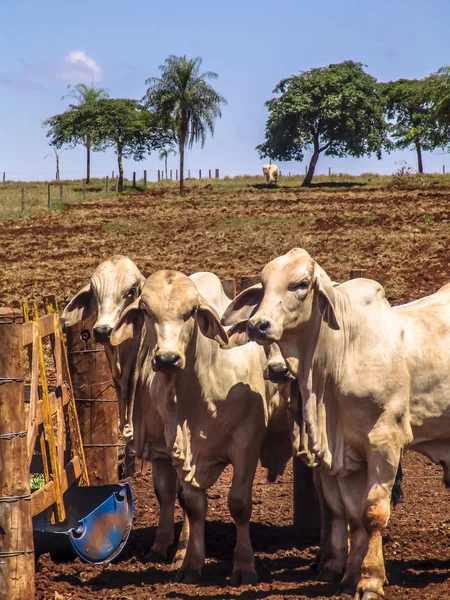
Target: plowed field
400	237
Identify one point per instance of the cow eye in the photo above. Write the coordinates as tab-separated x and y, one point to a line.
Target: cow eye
194	311
299	287
131	292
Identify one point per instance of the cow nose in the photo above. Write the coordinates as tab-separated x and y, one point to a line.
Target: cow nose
102	333
258	329
278	372
167	361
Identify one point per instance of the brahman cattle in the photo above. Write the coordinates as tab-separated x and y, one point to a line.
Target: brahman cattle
373	380
114	285
270	173
218	404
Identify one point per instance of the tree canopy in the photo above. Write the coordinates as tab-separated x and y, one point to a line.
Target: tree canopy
123	124
413	122
186	102
336	109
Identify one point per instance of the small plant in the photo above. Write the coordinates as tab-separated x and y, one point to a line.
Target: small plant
115	225
406	177
428	220
37	481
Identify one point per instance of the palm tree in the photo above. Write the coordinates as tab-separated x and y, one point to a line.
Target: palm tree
85	95
164	155
187	103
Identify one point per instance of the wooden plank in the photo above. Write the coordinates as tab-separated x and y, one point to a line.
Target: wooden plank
46	496
16	539
92	380
229	287
47	325
32	428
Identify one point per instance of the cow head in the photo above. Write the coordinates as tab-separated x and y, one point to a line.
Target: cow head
114	285
295	293
172	308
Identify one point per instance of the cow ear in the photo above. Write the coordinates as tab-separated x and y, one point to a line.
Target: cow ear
237	335
243	306
326	298
209	323
129	325
79	308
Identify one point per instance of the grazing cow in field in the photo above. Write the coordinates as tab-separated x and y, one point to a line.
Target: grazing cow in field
270	173
373	380
222	405
114	285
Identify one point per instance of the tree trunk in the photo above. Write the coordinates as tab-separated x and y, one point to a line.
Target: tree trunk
57	167
419	157
311	168
119	163
88	162
181	148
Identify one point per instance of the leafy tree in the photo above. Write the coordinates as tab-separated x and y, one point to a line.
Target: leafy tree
409	109
188	104
335	109
164	155
440	91
129	128
75	126
85	94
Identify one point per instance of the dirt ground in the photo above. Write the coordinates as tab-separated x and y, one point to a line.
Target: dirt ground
399	236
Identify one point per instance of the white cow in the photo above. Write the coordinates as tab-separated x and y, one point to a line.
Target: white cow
270	173
373	379
222	406
114	285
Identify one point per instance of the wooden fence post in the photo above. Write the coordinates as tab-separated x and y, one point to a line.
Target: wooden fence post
107	184
229	287
16	539
329	171
189	173
22	210
159	176
249	280
306	169
49	198
199	173
145	179
117	185
170	174
217	173
84	189
112	174
443	169
60	192
134	179
355	273
4	177
96	402
176	175
210	174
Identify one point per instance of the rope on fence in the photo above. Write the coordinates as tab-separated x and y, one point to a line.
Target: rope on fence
15	498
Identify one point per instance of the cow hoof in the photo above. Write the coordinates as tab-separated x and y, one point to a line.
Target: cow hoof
155	556
370	596
328	576
188	576
242	577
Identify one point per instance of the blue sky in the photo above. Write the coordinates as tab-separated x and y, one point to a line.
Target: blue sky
49	44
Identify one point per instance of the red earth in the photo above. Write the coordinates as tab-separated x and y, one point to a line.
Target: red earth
400	237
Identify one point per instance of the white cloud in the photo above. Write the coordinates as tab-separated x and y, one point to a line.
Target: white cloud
80	68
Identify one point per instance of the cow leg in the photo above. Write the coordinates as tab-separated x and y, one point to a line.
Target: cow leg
369	522
184	535
194	559
334	533
240	506
165	485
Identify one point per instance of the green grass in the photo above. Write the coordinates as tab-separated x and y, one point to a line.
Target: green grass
36	192
36	195
37	481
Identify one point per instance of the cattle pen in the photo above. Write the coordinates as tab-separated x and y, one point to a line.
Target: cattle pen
398	235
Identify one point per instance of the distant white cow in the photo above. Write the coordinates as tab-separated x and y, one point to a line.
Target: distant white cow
270	173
